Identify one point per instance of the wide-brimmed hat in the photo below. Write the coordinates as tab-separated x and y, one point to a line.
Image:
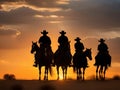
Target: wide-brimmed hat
101	40
62	32
44	32
77	39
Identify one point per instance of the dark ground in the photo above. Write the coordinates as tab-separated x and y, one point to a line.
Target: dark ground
59	85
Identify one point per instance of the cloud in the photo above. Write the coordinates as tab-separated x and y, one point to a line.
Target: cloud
21	15
92	14
54	22
27	15
95	13
84	13
9	32
48	3
91	18
114	45
114	48
9	38
4	1
50	16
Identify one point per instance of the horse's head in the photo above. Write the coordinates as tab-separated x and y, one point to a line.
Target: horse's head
34	47
88	53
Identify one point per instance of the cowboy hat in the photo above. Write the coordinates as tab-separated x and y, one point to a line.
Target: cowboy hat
62	32
77	39
101	40
44	32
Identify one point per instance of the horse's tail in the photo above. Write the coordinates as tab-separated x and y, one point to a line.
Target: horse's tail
109	60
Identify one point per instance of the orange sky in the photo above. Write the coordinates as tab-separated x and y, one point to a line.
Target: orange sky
21	22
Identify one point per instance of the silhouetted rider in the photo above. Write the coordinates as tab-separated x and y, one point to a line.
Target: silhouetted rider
102	49
45	43
79	47
63	56
44	40
63	40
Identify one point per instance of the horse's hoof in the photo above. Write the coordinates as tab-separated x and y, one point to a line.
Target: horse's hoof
46	79
78	78
97	79
58	78
102	79
83	79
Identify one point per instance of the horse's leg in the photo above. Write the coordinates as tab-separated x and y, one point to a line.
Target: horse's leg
57	72
63	70
97	72
50	70
66	72
39	72
84	73
105	71
101	72
45	74
77	69
80	73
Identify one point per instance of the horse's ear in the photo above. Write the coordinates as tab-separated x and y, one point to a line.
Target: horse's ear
36	42
32	42
90	48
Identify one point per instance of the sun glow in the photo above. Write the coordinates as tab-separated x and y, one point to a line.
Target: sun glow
60	77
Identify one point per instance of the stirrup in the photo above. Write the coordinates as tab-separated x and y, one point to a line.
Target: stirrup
95	64
35	65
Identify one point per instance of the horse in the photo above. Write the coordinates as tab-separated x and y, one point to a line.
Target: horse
80	62
43	57
62	58
103	61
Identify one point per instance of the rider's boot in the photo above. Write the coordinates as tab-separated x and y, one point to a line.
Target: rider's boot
95	64
35	64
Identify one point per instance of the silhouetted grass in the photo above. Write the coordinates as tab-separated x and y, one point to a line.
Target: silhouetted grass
116	77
